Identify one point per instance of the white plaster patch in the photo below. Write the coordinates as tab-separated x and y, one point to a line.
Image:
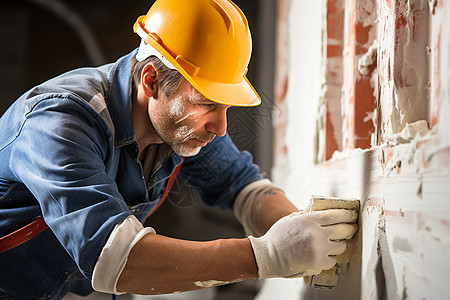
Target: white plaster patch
210	283
432	4
368	59
411	132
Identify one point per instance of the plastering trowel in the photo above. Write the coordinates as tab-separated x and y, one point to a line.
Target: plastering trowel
327	279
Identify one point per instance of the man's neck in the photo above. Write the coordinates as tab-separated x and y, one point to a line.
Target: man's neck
144	131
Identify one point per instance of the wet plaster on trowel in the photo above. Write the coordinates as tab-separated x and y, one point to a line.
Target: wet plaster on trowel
327	279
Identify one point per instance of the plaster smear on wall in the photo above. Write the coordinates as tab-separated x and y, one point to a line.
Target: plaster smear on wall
367	13
403	40
367	65
367	18
348	86
369	59
333	86
329	109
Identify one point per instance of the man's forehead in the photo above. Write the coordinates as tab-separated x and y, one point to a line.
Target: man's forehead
197	97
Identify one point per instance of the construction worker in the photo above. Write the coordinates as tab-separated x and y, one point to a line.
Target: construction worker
87	156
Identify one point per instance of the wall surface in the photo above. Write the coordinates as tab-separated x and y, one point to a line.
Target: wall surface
376	93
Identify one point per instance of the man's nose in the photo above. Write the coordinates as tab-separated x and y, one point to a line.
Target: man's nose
217	123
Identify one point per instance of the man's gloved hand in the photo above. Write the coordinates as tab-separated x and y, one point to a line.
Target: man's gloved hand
303	244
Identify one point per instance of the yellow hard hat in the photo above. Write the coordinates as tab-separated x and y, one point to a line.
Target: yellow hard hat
208	42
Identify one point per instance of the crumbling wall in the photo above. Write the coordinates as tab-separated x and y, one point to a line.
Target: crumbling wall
396	55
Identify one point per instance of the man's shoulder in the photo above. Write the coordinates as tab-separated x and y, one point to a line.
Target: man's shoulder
83	82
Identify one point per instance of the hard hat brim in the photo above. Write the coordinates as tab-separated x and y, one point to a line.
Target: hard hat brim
240	94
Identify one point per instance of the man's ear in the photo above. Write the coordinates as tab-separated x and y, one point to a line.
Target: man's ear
149	80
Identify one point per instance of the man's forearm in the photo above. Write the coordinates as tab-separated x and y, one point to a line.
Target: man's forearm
271	206
161	265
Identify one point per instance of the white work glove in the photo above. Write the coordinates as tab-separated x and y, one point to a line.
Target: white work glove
303	244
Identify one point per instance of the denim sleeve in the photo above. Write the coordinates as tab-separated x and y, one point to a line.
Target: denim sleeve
219	172
60	155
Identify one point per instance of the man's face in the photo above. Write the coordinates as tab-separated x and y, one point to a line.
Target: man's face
188	121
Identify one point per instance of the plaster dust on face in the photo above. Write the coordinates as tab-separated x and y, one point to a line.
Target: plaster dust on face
179	125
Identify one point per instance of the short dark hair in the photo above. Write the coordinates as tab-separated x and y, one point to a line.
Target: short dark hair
170	79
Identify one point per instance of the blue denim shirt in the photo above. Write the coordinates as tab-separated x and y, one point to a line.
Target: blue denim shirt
68	153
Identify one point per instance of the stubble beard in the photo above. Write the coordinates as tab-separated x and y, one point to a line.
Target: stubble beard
176	135
177	139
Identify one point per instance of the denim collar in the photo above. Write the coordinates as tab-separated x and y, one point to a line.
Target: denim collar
120	100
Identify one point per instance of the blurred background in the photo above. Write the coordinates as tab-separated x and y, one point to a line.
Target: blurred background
43	38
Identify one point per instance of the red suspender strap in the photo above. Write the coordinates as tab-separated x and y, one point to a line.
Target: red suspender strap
22	235
29	231
170	183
